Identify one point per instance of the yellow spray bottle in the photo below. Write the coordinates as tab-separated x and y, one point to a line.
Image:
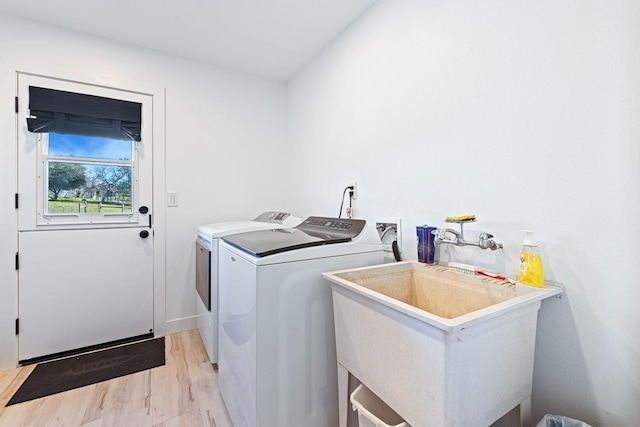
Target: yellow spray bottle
530	271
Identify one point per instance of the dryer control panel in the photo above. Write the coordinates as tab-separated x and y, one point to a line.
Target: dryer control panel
343	227
273	216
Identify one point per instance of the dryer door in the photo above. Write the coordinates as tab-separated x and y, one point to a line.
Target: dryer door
203	273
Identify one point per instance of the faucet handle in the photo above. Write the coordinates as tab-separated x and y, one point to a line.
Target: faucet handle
485	242
439	234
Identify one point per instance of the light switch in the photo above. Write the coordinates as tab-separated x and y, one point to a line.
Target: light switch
172	200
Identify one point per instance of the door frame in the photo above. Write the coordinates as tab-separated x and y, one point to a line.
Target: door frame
158	96
9	223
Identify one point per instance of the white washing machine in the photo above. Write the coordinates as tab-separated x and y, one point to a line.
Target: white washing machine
277	341
207	269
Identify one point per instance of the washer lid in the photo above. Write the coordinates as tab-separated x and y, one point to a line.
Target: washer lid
264	221
221	228
314	231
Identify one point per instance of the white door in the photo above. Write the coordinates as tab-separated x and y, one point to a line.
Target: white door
85	237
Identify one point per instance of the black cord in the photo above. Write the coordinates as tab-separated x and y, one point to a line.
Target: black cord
342	202
396	251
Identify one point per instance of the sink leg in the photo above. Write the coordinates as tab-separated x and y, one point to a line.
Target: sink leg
343	395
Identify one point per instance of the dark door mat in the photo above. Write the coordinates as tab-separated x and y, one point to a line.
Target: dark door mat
78	371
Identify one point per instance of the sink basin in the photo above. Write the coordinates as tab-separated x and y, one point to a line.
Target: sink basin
439	295
439	346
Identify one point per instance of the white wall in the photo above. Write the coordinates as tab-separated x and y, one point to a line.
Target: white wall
224	133
523	113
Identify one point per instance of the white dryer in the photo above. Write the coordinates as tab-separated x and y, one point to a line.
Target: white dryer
207	269
277	341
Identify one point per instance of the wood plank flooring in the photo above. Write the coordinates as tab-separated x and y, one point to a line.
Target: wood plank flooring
182	393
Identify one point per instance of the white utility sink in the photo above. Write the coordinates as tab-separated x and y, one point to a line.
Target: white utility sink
440	347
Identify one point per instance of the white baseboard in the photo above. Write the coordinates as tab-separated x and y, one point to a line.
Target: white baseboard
175	326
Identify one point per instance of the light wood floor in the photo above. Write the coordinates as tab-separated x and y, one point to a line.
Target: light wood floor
182	393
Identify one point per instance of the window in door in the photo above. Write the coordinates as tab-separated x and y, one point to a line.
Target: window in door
86	178
88	156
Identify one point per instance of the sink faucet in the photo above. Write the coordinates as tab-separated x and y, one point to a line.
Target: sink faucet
442	236
447	235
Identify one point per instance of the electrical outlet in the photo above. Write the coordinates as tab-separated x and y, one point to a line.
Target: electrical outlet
354	184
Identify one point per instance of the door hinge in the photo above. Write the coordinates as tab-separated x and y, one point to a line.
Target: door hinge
16	104
17	261
17	326
17	201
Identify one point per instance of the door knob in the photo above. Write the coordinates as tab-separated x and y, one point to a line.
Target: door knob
144	234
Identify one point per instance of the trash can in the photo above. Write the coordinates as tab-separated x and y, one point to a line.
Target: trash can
560	421
372	411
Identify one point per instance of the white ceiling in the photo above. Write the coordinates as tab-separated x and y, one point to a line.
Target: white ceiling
270	38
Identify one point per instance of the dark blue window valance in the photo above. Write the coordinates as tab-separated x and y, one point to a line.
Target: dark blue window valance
79	114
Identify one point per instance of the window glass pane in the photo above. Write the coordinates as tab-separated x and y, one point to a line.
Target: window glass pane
88	188
89	146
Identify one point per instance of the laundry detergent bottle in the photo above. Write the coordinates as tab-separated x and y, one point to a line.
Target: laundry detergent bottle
530	272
